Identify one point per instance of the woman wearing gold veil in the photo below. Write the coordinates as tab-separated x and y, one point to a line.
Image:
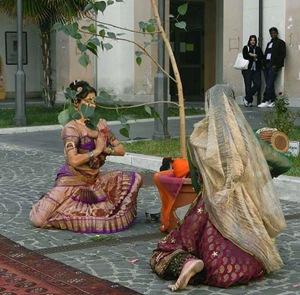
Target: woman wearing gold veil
227	237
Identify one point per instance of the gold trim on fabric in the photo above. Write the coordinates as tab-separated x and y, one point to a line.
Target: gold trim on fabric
89	180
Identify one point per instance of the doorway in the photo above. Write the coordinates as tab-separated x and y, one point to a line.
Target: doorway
188	48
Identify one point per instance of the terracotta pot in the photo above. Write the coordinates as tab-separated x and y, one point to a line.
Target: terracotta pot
185	197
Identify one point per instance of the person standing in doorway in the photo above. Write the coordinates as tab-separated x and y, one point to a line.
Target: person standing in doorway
274	60
252	75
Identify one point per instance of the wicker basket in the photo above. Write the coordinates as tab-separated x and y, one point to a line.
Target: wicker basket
277	139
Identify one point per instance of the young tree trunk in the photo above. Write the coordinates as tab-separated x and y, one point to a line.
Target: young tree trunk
183	151
48	93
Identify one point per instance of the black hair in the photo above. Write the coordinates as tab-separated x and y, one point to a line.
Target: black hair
273	29
252	36
83	88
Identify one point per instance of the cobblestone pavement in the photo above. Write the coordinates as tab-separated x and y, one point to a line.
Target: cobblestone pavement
27	173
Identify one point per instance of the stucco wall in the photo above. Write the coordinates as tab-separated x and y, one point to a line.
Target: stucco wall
66	67
292	38
33	70
232	42
115	68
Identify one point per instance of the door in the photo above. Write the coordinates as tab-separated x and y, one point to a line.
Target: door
188	46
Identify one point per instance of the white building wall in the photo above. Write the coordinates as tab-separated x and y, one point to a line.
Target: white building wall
115	68
117	71
33	70
274	16
250	19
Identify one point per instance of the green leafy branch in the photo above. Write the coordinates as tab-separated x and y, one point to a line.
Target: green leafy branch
98	32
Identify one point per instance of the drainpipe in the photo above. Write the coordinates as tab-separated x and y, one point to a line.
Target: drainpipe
260	37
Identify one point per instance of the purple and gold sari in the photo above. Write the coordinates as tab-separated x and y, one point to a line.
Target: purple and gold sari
85	199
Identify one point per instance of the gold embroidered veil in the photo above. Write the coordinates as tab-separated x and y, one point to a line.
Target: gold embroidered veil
239	193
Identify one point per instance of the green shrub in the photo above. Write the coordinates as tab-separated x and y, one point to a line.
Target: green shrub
281	117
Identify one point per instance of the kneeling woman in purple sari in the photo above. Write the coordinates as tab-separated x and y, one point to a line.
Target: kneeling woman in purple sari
228	235
83	198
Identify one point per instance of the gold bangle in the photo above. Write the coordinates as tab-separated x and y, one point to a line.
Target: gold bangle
111	150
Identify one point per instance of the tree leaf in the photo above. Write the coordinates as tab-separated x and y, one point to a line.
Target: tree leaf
111	35
91	123
138	53
110	2
142	26
107	46
92	48
92	29
63	117
77	36
181	25
94	41
73	114
100	5
104	94
88	7
150	28
102	33
123	119
70	94
81	46
124	132
57	26
72	29
103	26
182	9
152	21
154	115
84	59
138	60
87	110
101	45
148	110
104	98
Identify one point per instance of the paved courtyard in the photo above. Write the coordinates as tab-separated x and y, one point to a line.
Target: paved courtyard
26	173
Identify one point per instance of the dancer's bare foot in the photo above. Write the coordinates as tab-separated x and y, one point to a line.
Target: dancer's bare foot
189	270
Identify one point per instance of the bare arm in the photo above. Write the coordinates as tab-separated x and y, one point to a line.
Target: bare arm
75	159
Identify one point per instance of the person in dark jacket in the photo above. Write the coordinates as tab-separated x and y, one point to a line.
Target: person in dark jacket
274	60
252	75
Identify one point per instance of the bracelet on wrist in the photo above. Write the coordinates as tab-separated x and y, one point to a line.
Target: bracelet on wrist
90	154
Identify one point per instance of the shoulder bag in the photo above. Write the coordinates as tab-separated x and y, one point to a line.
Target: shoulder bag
241	63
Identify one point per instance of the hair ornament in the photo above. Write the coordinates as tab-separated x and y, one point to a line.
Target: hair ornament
79	89
75	81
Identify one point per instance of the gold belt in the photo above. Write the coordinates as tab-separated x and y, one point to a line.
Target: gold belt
87	179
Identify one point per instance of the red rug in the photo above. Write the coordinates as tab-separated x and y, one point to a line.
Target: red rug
23	271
